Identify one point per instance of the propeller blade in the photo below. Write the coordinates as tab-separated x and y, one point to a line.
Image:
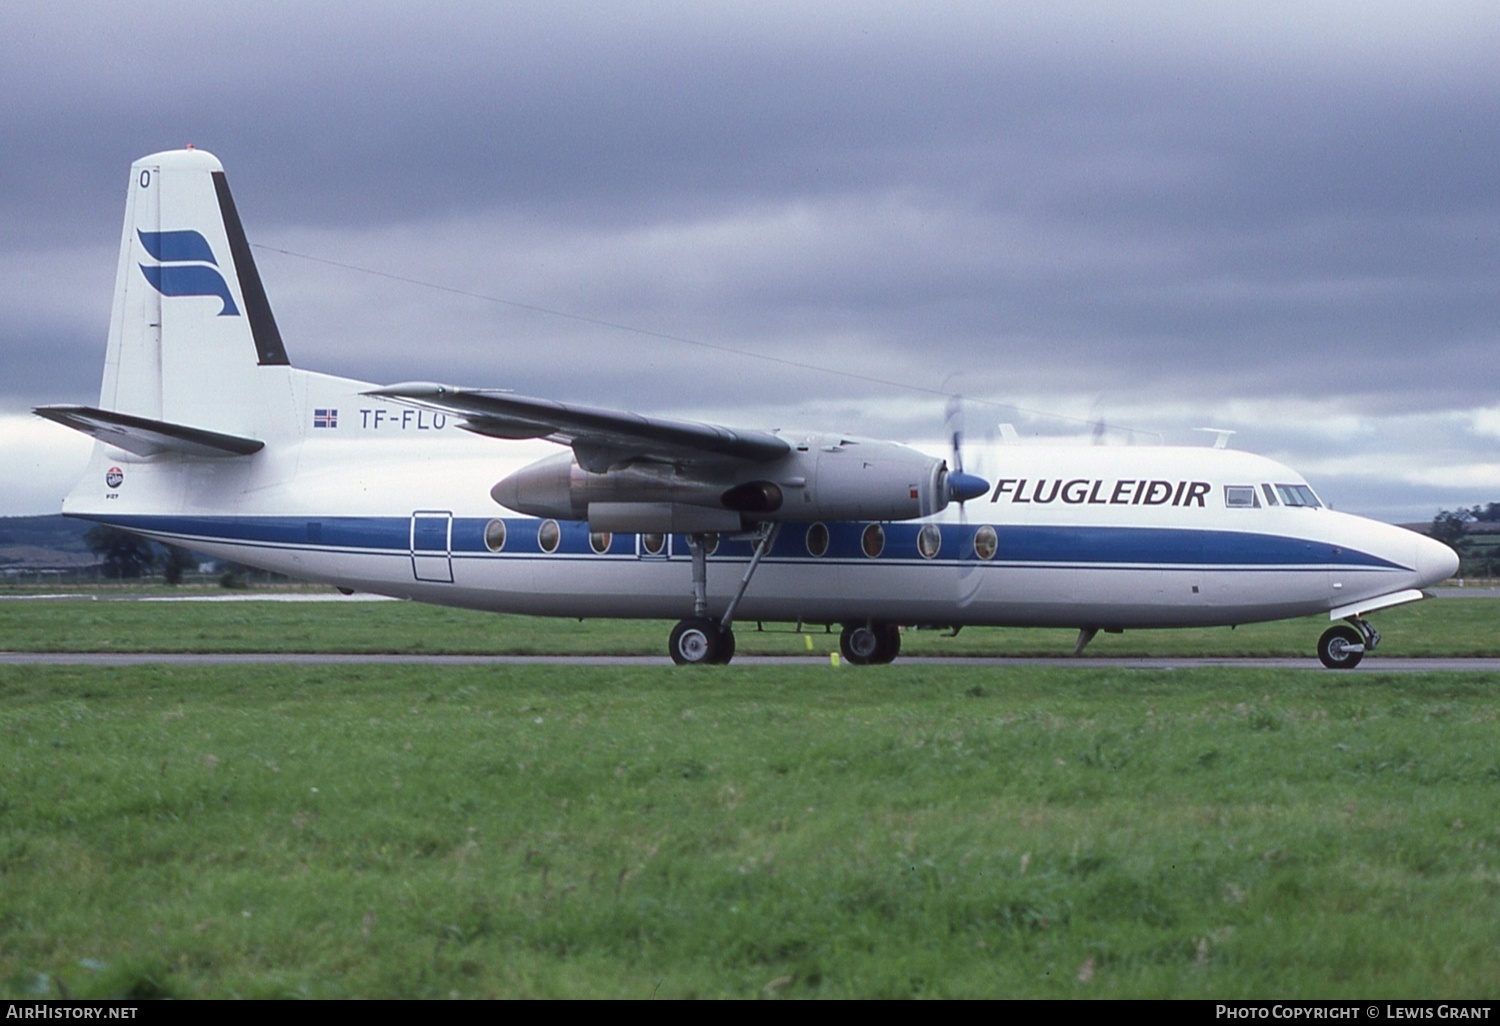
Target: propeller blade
953	416
961	486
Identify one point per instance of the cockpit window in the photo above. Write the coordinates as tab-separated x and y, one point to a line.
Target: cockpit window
1240	497
1297	495
1270	494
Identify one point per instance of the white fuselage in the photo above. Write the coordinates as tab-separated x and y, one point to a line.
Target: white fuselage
373	496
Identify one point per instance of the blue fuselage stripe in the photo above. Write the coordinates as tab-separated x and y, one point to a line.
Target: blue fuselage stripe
1018	545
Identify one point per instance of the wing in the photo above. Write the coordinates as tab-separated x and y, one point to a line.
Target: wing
600	438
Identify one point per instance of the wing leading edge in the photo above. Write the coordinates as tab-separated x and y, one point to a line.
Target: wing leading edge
600	438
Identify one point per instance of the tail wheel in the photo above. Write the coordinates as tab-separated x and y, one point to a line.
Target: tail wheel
869	644
699	642
1341	648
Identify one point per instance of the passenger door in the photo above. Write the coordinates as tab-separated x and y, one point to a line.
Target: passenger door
432	546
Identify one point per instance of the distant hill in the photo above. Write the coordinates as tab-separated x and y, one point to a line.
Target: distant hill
49	541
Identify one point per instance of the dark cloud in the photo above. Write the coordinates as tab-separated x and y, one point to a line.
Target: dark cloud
1077	200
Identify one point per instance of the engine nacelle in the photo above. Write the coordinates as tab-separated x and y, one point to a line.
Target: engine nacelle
824	477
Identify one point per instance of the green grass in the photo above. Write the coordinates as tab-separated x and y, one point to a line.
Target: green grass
791	831
1445	627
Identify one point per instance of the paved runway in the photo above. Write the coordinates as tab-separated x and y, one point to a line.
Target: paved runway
1374	664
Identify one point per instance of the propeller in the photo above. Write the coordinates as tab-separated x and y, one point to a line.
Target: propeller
961	486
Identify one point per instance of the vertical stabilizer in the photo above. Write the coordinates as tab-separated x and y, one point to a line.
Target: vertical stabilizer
190	320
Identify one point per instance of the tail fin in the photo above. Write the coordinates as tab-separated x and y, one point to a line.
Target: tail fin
190	315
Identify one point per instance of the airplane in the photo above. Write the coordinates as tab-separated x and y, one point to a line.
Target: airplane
206	437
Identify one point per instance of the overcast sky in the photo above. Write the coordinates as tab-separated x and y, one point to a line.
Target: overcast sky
1279	218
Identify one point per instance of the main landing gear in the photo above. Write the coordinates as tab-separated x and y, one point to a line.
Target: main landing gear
1341	648
870	643
700	639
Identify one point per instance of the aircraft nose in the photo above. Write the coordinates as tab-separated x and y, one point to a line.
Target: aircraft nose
1436	562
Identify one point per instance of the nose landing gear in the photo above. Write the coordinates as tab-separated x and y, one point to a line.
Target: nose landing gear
1341	648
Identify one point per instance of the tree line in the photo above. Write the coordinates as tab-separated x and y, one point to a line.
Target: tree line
126	556
1478	551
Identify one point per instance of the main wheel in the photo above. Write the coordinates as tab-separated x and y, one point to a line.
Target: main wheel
699	642
859	643
869	644
1341	648
890	642
726	646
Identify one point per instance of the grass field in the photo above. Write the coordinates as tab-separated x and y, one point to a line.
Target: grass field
1446	627
772	831
794	832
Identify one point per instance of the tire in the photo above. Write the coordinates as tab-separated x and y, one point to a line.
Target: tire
1334	648
859	644
698	642
890	642
871	644
726	647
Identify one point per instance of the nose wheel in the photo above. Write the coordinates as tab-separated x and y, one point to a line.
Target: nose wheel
1342	647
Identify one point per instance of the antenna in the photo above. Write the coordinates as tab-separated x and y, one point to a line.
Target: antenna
1221	435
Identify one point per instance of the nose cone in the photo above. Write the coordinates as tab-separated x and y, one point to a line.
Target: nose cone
1436	562
963	487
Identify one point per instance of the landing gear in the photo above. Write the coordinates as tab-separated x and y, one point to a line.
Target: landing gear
700	639
870	643
1341	648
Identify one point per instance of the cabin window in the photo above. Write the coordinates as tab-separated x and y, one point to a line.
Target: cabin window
710	544
548	536
1297	495
873	540
494	535
599	541
1270	494
817	540
652	544
986	542
929	540
1241	497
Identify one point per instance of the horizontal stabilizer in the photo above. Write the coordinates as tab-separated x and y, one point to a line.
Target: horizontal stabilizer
600	438
146	437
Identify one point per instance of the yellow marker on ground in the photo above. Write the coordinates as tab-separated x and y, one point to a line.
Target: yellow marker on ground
833	660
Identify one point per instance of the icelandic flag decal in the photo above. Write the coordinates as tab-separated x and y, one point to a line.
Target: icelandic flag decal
325	418
187	268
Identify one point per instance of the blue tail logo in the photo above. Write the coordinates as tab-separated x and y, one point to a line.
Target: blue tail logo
187	267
